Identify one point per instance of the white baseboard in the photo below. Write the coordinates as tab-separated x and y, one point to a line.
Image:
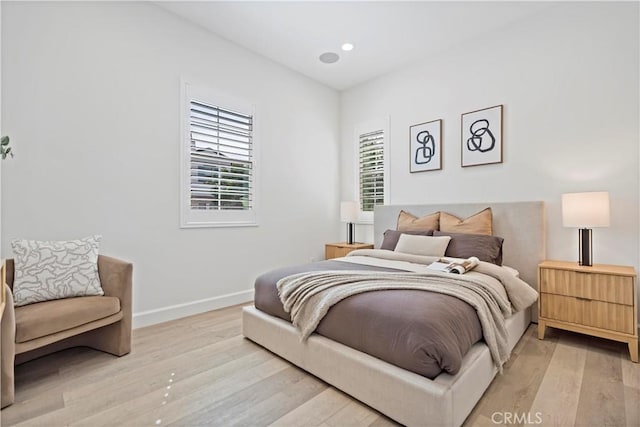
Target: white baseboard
159	315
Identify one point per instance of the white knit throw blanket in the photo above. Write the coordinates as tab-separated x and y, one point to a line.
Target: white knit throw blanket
309	296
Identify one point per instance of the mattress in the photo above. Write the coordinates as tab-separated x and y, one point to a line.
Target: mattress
423	332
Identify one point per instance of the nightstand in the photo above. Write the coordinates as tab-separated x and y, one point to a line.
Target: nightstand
599	300
337	250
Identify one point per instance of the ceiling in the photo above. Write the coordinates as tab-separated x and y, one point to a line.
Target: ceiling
387	35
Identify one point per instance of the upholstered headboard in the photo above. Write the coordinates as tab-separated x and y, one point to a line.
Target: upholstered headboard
521	224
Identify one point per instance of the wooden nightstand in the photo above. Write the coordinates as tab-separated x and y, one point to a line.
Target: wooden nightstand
599	300
337	250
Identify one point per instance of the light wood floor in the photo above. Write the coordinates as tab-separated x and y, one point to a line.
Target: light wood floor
201	371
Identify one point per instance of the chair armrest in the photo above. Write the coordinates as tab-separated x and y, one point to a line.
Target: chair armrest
7	351
116	278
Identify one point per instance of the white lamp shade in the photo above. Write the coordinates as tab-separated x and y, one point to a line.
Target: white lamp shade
585	210
349	211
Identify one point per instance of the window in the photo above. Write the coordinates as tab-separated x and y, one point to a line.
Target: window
371	152
219	161
373	179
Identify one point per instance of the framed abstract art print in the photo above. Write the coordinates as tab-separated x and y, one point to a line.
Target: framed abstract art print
425	146
481	132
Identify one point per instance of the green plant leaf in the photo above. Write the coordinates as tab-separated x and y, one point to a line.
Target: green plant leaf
4	147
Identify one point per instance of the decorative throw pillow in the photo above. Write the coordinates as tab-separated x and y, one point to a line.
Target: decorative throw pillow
479	223
390	239
409	222
422	245
53	270
485	248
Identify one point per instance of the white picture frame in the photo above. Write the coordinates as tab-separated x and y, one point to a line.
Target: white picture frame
481	134
425	146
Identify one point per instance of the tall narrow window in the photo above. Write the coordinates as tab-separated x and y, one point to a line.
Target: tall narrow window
220	158
372	168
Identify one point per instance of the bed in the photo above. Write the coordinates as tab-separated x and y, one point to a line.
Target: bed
405	396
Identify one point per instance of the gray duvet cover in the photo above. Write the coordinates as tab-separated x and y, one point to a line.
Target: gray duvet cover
422	332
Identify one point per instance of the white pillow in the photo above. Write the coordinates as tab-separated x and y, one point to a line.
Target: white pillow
53	270
422	245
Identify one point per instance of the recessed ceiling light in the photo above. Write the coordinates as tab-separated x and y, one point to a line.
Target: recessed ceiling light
329	57
347	47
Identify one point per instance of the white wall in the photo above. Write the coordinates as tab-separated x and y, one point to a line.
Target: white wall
91	97
569	82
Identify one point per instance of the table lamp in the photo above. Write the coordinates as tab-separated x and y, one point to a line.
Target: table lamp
349	214
584	211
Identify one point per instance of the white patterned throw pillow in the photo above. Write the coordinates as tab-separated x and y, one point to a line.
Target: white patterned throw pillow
53	270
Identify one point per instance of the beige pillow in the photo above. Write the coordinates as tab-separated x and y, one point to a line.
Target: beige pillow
479	223
422	245
408	222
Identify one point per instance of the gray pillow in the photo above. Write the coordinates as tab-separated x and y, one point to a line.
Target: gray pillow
486	248
53	270
390	239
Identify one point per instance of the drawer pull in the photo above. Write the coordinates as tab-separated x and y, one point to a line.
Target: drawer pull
583	299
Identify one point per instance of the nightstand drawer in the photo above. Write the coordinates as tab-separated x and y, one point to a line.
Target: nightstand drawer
331	252
339	250
588	312
594	286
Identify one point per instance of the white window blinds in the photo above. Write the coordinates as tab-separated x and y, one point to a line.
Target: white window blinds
221	158
371	152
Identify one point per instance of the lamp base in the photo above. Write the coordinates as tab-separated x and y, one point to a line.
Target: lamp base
584	247
350	233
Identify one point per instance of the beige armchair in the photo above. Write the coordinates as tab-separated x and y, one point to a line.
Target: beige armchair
99	322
